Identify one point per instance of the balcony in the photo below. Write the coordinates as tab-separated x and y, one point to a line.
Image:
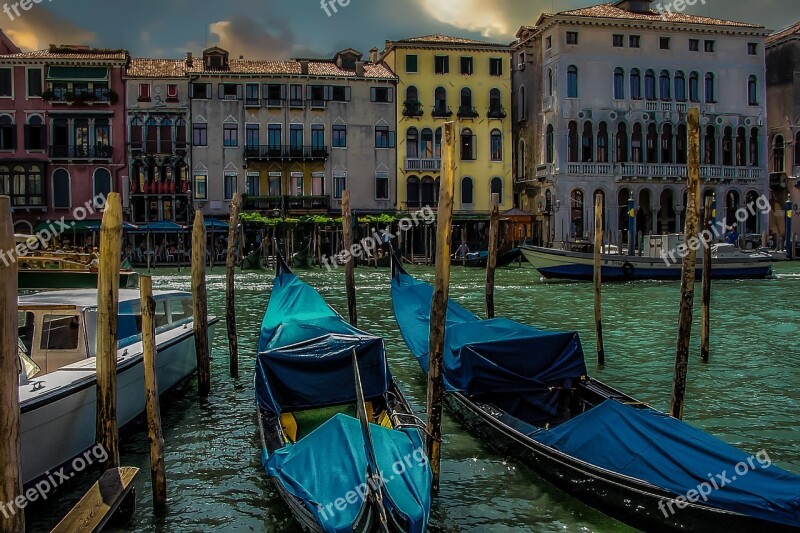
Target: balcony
288	205
547	104
159	188
590	169
80	151
668	170
497	113
423	165
153	148
441	112
466	111
286	153
412	108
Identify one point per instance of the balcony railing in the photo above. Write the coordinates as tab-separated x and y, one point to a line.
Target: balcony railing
157	148
591	169
412	108
467	112
252	102
286	152
80	151
653	170
287	204
441	112
420	164
160	188
497	113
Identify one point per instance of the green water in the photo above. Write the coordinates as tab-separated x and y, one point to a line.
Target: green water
748	395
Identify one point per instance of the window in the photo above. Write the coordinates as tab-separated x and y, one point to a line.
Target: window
6	87
619	84
251	135
8	137
752	91
340	136
102	183
778	154
200	134
496	187
60	332
383	137
576	214
340	94
34	82
275	93
35	136
466	66
200	91
548	42
230	91
468	152
754	159
61	189
466	191
412	143
412	64
315	94
382	95
172	91
200	189
442	64
440	102
602	143
752	49
635	41
251	94
296	95
650	85
230	135
466	100
618	40
587	143
144	92
381	185
549	82
230	185
317	137
694	45
710	93
572	82
680	86
523	105
339	184
521	159
274	136
636	84
572	37
495	66
549	145
622	143
694	87
496	145
709	46
665	85
664	43
296	136
572	142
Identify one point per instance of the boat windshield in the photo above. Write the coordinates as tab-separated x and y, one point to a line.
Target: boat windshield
26	321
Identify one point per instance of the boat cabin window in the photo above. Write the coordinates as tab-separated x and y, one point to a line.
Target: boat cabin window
26	322
161	317
60	332
180	309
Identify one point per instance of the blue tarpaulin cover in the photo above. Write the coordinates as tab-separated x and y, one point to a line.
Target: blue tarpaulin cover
320	479
305	353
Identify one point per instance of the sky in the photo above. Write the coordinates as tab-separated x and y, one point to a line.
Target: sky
282	29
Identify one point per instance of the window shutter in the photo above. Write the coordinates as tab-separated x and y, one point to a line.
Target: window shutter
328	93
391	94
239	91
308	92
265	91
283	92
372	94
347	94
221	91
42	136
391	139
27	130
191	90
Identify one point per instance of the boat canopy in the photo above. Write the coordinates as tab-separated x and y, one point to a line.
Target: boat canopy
297	468
648	445
305	353
519	367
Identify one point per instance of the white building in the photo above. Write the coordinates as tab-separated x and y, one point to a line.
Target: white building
601	96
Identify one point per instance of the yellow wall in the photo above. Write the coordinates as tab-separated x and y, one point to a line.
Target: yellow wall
482	170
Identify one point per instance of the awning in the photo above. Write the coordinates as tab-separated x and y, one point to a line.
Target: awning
77	226
162	226
213	223
77	74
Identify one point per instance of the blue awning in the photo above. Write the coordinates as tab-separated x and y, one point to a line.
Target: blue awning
213	223
162	226
77	74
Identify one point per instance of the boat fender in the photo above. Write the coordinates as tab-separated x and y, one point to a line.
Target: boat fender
289	425
628	269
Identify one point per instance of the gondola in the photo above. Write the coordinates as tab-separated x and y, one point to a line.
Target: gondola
254	260
317	453
480	259
525	392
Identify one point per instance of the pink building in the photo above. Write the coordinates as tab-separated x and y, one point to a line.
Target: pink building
62	130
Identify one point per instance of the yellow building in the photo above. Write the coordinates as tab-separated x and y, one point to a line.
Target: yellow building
448	78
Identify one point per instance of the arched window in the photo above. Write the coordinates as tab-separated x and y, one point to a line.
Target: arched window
587	143
602	143
711	96
428	190
665	84
426	146
694	87
572	81
466	191
680	86
495	101
35	135
8	137
622	143
412	142
576	214
778	154
666	144
549	82
62	195
731	204
710	146
754	155
727	147
636	84
440	101
650	85
797	149
136	133
102	183
521	160
752	90
636	143
522	107
572	142
496	145
468	152
619	84
166	136
180	133
652	143
496	187
549	144
741	148
412	95
437	143
151	132
466	100
751	224
412	191
681	148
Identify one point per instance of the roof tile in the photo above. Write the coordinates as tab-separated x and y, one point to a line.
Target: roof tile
788	32
156	68
612	11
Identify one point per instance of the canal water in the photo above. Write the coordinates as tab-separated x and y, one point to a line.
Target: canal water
748	395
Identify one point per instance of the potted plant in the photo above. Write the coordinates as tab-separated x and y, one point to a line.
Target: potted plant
69	96
47	95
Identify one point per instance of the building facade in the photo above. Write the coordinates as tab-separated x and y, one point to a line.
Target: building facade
783	96
292	135
600	102
445	79
62	130
157	104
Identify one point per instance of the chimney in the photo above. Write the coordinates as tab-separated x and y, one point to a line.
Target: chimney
373	55
360	69
241	58
189	60
304	67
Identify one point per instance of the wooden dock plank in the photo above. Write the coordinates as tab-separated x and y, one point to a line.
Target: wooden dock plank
98	505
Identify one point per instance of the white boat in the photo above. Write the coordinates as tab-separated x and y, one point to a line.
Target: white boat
659	261
57	339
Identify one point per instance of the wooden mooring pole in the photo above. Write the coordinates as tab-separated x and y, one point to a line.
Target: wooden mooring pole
598	278
152	407
10	458
689	265
491	262
107	318
705	324
200	304
441	291
230	297
350	264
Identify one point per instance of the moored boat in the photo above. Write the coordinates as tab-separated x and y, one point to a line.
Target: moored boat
480	259
526	393
313	447
58	333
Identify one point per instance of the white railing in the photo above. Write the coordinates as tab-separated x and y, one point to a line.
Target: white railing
682	108
547	104
651	106
544	170
432	165
666	107
590	169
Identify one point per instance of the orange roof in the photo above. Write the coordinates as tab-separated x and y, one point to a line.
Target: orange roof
288	68
439	39
793	30
72	52
156	68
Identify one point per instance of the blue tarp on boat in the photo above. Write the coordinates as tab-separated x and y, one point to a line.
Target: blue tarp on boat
321	480
305	353
649	445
